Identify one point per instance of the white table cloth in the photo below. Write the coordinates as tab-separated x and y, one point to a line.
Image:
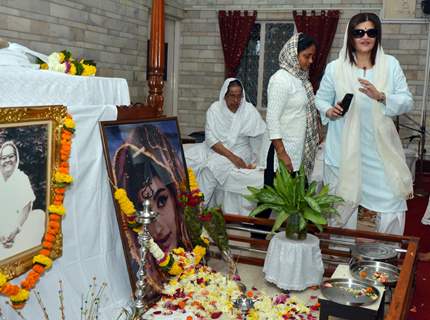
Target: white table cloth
293	264
91	240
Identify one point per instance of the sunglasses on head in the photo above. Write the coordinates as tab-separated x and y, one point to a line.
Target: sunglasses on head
359	33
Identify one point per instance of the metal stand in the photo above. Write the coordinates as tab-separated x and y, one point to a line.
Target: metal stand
145	217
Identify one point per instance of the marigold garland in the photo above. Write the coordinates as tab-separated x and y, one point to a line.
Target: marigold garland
127	207
19	295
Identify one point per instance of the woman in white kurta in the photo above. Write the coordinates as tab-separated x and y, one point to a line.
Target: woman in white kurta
231	122
292	119
364	159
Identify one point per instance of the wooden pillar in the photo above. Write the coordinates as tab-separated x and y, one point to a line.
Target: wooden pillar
156	59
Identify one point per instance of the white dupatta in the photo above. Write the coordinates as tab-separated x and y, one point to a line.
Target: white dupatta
388	144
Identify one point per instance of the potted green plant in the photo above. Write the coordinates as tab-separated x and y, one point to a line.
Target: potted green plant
294	202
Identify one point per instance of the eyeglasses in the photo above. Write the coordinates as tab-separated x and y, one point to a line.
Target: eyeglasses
359	33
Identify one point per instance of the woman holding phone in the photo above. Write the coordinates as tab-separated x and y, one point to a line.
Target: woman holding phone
364	160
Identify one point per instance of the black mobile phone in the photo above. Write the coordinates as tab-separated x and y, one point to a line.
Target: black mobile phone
346	102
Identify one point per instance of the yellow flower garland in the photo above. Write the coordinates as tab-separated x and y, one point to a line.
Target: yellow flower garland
192	180
43	260
58	209
18	295
124	202
3	280
21	296
60	177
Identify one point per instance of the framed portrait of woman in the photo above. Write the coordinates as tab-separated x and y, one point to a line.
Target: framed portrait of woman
145	157
28	156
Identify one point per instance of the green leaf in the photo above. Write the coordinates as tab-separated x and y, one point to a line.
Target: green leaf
320	228
285	175
302	223
268	195
260	208
324	190
312	188
313	204
302	182
281	187
314	217
253	190
280	219
328	199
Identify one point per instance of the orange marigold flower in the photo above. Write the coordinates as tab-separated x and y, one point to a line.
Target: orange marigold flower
66	133
10	289
53	230
30	281
38	268
49	237
64	164
60	190
63	170
47	244
45	252
54	224
54	217
181	304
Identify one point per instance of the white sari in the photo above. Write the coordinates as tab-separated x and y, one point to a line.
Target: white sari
235	130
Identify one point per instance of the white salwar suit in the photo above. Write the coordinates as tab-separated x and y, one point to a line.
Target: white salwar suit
376	193
237	131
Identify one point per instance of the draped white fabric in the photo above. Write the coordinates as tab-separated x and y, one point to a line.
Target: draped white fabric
293	264
91	241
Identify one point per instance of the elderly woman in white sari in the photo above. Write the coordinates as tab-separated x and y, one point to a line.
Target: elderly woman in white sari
364	159
16	198
231	125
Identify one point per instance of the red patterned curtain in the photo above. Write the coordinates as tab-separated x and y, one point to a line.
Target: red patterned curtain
323	28
235	30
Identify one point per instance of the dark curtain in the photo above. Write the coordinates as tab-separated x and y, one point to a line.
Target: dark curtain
235	30
323	28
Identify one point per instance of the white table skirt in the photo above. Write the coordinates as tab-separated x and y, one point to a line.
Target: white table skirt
294	264
91	240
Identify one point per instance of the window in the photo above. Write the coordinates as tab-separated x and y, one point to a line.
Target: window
260	59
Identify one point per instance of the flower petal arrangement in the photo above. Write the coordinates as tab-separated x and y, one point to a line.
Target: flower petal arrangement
207	294
19	294
64	62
